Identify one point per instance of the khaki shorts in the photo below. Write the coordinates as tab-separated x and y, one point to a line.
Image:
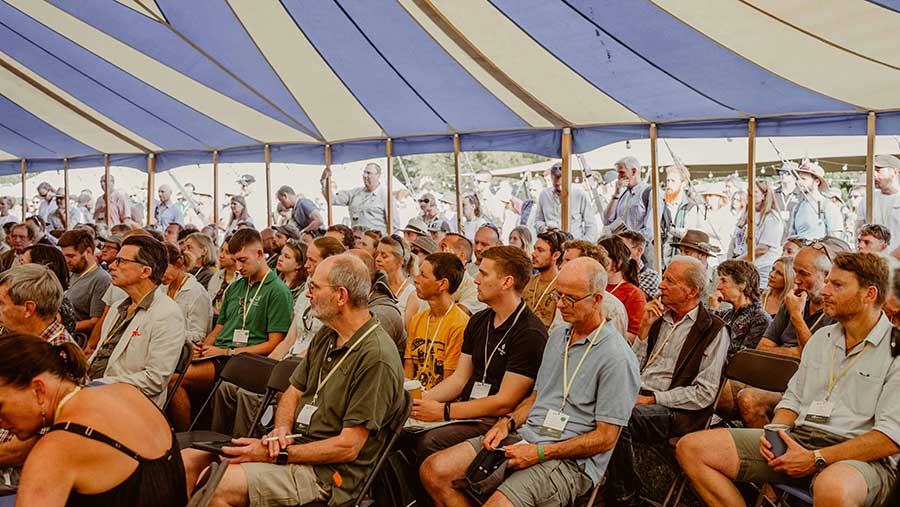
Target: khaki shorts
879	475
554	483
287	485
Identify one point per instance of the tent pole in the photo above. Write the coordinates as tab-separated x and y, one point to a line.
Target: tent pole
328	184
566	155
459	215
24	206
215	169
870	168
751	184
268	156
66	190
654	186
390	198
108	188
151	177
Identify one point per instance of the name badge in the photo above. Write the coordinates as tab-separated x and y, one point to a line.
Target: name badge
240	337
480	390
554	424
305	416
819	411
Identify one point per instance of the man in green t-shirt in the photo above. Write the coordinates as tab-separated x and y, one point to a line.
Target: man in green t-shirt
254	317
342	396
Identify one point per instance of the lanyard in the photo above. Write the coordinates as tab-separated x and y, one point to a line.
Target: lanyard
436	332
65	399
832	380
487	336
337	366
567	384
244	306
535	305
616	287
86	273
816	323
179	286
653	357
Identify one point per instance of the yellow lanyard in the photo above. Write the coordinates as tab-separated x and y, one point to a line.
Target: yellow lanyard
535	305
567	384
662	345
487	335
349	350
245	307
832	381
436	332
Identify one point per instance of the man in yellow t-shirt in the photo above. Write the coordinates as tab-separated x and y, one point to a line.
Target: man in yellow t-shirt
435	335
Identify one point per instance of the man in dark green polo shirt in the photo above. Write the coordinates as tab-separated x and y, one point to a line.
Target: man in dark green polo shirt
254	317
342	396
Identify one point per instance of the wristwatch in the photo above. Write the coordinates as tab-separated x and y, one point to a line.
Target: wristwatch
820	461
512	422
282	458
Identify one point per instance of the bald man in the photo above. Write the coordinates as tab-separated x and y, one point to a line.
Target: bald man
166	211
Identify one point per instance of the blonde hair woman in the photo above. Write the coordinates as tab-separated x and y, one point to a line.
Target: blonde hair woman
394	257
768	229
781	280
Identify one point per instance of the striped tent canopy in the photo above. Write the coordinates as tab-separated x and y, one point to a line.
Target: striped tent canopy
182	78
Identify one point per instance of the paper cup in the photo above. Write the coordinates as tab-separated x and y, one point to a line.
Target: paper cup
778	445
414	388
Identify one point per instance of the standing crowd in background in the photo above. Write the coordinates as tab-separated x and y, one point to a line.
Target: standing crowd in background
525	363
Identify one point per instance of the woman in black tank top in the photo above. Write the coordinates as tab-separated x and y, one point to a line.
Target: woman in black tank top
41	392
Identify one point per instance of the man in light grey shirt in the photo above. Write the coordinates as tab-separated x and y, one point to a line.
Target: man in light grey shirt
582	216
841	407
589	376
367	204
631	205
680	376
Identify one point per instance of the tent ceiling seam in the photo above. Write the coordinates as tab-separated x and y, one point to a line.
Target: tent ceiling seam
648	61
818	37
451	31
303	128
388	62
275	72
72	107
859	108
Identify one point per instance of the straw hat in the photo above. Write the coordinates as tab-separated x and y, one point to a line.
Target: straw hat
815	170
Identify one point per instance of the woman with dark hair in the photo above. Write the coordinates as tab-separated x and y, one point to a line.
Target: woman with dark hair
623	281
238	215
53	258
746	319
104	446
290	267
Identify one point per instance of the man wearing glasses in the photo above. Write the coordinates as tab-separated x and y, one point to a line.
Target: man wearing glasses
141	342
431	214
678	390
559	439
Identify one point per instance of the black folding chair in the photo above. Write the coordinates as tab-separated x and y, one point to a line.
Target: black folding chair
279	381
204	493
763	370
184	362
247	371
393	430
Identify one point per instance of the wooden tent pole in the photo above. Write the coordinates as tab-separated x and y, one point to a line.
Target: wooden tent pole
328	184
654	188
151	182
751	185
870	169
566	155
389	151
267	153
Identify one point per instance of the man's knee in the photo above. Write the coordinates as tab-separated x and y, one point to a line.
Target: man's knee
840	484
711	448
233	487
441	468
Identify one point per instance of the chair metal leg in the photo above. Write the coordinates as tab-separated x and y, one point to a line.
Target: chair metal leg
671	491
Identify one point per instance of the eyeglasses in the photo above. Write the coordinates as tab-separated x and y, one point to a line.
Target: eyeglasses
424	201
120	260
822	247
569	300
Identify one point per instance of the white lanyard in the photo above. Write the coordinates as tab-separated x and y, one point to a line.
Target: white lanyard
349	350
250	306
567	384
832	380
487	335
436	332
662	345
616	287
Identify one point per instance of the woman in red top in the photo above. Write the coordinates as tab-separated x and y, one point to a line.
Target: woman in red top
623	282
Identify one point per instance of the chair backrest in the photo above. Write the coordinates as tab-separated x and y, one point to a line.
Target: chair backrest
393	430
763	370
204	493
184	360
280	378
248	371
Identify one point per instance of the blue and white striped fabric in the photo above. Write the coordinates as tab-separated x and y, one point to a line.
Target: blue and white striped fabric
182	78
